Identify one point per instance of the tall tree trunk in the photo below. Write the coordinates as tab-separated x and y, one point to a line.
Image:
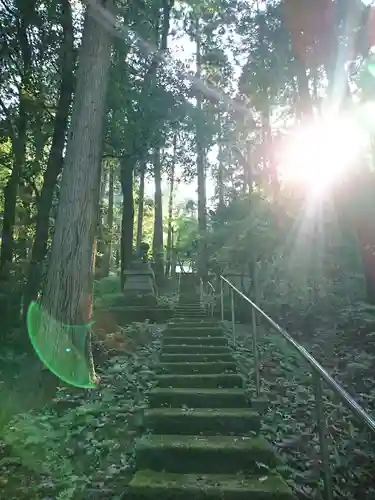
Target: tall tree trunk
173	255
158	243
108	246
127	221
201	166
19	139
170	210
67	295
220	179
359	203
101	239
339	93
55	159
141	200
304	105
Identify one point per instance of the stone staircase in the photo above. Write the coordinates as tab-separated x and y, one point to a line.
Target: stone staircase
204	440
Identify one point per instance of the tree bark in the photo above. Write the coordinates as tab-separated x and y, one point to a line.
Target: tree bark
158	243
127	222
304	105
220	178
108	247
201	167
101	236
141	199
67	295
170	211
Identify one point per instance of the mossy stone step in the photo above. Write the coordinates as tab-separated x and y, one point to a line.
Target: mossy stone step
192	322
151	485
200	367
196	358
193	331
204	454
189	308
188	325
198	398
214	341
216	381
195	349
191	315
187	301
210	421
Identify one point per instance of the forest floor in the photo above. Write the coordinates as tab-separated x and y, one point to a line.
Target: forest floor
79	446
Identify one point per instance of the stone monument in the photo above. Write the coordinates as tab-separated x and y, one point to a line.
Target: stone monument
140	287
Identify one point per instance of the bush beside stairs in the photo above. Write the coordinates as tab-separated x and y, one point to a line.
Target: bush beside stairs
204	440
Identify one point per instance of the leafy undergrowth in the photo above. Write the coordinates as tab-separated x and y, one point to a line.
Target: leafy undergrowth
81	445
290	422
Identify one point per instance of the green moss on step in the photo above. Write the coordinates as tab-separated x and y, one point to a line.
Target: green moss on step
198	398
210	421
208	341
200	367
202	443
195	349
196	358
167	486
205	381
193	331
204	454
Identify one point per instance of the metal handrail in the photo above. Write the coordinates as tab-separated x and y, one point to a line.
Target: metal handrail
211	293
318	372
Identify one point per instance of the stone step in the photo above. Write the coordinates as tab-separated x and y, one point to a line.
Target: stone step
188	307
207	340
151	485
196	358
210	421
191	316
195	349
216	367
204	454
205	381
192	313
188	325
193	331
198	398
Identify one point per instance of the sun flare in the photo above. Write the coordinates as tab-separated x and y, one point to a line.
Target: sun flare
318	154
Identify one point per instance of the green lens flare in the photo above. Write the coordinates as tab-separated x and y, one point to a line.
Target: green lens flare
371	68
53	343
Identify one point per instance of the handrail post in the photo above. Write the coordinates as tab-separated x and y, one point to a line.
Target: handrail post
233	316
222	300
255	351
201	292
322	430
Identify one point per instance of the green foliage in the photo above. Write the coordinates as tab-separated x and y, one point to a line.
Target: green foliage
41	446
83	439
106	286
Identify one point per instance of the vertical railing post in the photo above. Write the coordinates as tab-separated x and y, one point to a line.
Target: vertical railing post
221	299
201	292
255	351
323	440
233	316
